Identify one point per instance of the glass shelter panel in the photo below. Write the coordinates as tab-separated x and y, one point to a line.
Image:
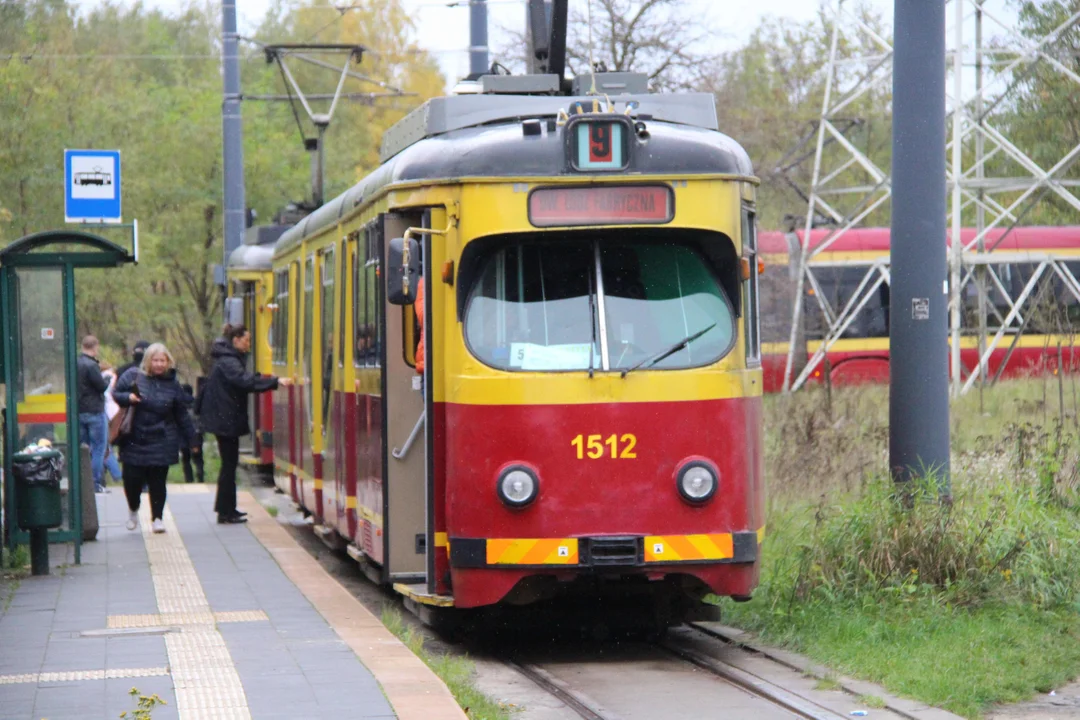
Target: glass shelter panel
40	376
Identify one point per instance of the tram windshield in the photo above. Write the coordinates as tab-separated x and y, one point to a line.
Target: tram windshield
543	306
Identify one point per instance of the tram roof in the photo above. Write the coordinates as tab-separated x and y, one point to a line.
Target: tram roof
482	136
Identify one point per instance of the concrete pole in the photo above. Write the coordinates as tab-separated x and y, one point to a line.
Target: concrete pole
232	134
478	37
919	378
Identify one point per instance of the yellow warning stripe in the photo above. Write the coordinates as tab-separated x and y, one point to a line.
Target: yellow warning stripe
761	534
442	540
674	548
559	551
350	502
318	483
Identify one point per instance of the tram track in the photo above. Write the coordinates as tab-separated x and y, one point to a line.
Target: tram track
606	680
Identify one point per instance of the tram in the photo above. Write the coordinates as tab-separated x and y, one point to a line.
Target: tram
587	421
1042	338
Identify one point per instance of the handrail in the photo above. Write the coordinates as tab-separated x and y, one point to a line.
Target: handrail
400	454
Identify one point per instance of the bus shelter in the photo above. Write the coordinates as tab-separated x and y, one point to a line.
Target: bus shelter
38	355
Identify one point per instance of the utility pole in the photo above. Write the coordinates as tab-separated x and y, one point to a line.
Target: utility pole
919	362
232	134
478	37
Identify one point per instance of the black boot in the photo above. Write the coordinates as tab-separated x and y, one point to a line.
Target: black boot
234	519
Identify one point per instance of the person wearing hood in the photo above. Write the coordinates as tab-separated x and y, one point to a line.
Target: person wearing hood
222	410
161	426
136	358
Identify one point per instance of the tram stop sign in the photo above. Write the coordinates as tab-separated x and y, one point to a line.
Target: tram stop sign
92	186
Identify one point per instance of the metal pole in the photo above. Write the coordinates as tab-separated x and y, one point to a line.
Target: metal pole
957	246
232	133
318	172
478	39
806	254
981	271
919	380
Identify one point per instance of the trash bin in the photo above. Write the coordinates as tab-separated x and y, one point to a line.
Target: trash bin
37	489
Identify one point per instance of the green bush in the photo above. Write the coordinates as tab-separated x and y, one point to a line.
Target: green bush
996	540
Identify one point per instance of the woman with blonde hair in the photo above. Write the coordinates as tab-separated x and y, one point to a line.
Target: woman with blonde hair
160	425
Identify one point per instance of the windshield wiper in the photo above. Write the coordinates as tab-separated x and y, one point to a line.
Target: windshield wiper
653	359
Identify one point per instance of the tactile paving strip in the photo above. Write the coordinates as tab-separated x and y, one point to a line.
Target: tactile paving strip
114	674
198	618
205	680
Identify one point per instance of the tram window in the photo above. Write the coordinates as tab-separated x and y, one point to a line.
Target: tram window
293	320
309	319
753	322
365	303
838	286
279	327
326	330
536	306
657	295
342	330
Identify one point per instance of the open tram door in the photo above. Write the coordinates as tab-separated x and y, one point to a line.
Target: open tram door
408	502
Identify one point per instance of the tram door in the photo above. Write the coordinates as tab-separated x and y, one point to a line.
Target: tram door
246	291
405	497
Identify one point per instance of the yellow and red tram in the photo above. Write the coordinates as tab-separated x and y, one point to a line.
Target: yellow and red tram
589	414
250	284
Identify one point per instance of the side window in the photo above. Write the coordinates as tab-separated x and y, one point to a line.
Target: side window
293	310
279	327
326	327
373	303
750	314
342	330
362	331
309	319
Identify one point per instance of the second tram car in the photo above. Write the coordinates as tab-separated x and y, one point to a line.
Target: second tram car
588	415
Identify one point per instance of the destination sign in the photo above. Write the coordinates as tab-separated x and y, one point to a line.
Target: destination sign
612	205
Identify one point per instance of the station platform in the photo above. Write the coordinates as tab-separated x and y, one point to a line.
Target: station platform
218	621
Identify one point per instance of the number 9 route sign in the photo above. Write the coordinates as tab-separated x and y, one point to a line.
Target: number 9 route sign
599	144
92	186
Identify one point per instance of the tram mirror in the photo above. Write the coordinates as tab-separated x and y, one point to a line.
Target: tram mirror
234	311
403	271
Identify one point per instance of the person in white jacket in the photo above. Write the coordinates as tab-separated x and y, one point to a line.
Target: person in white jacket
111	409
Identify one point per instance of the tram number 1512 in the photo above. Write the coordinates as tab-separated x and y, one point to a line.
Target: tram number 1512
595	447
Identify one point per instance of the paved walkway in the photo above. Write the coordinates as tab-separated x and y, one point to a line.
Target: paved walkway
219	621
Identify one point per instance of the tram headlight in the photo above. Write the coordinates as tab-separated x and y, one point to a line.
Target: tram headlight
697	482
517	486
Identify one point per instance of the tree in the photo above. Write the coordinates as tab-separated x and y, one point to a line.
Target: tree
148	83
1042	118
654	37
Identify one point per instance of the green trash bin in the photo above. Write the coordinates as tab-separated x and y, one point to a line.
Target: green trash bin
37	501
37	488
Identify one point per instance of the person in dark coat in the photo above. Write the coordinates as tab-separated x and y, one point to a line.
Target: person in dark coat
160	428
188	457
92	386
136	358
222	410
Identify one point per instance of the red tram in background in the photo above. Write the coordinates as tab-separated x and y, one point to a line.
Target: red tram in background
861	355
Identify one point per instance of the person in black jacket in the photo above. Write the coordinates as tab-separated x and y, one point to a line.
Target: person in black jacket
222	410
136	358
92	387
187	456
160	428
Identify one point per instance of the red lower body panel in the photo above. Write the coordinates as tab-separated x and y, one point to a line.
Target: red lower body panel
605	470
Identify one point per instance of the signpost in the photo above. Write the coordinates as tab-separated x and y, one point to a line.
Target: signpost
92	186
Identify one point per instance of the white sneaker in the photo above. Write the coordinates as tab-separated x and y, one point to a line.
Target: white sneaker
133	520
158	526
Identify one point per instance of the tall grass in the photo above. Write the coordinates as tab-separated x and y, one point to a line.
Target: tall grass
962	603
